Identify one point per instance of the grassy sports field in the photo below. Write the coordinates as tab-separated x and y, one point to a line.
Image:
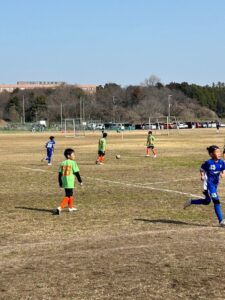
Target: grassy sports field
130	239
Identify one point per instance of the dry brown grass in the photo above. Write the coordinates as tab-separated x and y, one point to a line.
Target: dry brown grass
127	241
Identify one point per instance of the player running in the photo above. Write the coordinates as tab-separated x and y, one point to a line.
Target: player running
150	144
50	149
210	172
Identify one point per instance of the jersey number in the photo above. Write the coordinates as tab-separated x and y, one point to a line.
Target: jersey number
67	170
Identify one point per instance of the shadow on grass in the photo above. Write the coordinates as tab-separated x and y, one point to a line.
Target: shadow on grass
165	221
36	209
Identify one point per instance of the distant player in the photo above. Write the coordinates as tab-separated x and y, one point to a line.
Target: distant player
101	149
68	169
210	172
50	149
217	127
150	144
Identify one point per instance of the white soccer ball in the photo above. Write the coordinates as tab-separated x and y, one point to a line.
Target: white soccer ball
117	156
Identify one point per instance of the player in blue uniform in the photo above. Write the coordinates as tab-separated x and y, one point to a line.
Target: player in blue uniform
210	172
50	149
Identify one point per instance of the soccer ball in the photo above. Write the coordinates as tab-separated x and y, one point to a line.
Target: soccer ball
117	156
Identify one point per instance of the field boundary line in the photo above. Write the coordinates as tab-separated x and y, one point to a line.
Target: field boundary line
175	180
136	185
143	187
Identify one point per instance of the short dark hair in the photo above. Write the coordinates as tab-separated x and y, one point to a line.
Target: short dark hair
150	132
51	137
68	152
212	148
105	134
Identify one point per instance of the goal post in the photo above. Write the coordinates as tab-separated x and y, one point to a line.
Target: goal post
163	124
69	128
74	128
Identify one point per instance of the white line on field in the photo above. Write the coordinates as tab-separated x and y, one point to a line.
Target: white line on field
175	180
35	170
141	186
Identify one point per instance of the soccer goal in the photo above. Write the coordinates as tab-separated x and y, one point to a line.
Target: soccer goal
74	128
164	124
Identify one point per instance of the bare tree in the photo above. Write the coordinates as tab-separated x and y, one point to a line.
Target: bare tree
153	80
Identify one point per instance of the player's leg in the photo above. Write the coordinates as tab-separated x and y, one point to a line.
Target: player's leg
147	151
49	156
102	158
153	151
216	202
201	201
63	203
218	210
70	202
99	157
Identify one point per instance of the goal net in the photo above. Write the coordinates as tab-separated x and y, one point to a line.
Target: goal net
74	128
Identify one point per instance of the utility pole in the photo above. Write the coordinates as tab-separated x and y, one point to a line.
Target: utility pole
23	111
61	114
169	105
81	109
114	108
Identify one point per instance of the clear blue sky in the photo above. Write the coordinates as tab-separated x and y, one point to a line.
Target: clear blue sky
121	41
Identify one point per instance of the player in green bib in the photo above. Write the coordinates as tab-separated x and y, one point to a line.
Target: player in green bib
68	169
150	144
101	149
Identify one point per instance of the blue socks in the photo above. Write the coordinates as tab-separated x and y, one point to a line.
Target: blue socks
218	212
217	207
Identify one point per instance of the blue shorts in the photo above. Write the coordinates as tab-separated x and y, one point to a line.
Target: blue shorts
212	191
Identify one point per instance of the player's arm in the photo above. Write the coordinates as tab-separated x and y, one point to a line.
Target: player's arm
60	179
222	174
202	174
203	170
77	174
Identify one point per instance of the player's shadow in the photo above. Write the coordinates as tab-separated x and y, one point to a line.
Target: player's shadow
165	221
49	210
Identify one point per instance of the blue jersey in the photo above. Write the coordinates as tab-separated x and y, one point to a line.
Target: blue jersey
50	145
212	171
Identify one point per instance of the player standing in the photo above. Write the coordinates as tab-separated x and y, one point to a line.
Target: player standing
50	149
210	172
101	149
68	169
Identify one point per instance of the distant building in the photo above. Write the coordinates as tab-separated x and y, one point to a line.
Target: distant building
29	85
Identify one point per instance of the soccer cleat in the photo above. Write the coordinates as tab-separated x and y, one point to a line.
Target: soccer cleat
147	155
187	203
72	209
58	211
222	223
49	164
155	156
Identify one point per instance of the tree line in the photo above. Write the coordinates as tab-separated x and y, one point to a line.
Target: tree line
112	102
